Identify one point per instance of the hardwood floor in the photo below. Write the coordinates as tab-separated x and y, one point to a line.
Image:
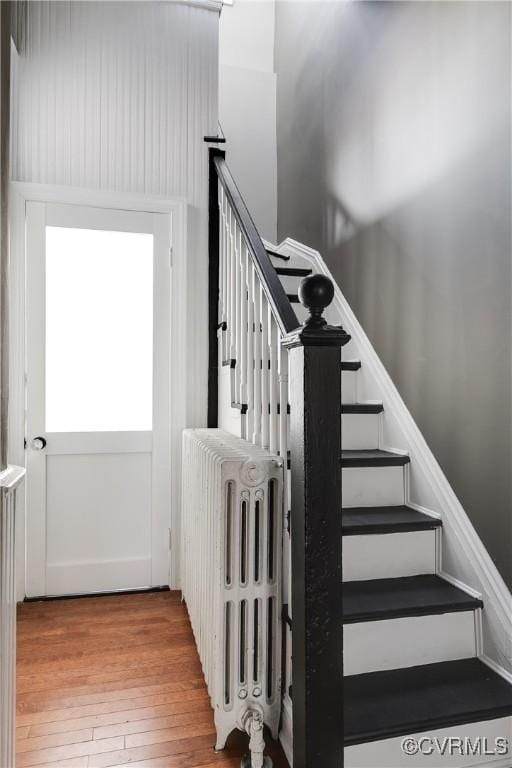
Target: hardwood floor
115	681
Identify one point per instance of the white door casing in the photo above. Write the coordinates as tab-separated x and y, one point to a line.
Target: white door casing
98	502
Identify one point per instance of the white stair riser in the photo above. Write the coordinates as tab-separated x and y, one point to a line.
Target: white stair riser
388	753
372	646
390	555
349	386
290	283
294	261
373	486
301	312
359	430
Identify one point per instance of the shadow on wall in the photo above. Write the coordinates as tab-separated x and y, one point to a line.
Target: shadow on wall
394	161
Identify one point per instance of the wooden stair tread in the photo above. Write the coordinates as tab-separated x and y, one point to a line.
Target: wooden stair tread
381	599
375	520
380	705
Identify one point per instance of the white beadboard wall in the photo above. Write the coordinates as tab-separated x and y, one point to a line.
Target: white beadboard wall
116	96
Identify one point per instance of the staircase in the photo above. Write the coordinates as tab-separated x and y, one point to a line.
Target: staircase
411	638
427	620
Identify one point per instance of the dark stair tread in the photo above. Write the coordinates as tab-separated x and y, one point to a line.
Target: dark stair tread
380	599
293	271
373	458
380	705
362	408
276	255
351	365
399	519
293	298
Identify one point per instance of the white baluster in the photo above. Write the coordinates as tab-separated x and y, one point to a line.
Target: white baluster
265	416
228	281
238	308
232	285
222	269
274	384
257	360
250	347
282	367
242	360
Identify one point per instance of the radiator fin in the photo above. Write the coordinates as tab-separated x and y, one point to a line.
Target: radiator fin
232	521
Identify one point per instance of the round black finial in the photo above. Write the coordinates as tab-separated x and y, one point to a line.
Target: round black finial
316	293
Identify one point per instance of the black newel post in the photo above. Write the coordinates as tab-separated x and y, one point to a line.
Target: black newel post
315	443
213	287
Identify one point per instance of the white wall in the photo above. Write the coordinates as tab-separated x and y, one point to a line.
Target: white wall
247	105
118	96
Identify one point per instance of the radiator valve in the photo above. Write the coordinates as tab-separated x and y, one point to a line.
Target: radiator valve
252	722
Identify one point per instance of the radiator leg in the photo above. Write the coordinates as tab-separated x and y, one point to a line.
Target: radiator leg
253	724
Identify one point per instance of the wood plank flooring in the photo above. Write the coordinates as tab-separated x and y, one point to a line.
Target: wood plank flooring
115	681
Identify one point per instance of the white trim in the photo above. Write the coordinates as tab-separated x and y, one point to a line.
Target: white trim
11	477
479	635
22	193
394	449
63	443
460	584
425	511
207	5
505	674
96	198
439	544
463	553
16	452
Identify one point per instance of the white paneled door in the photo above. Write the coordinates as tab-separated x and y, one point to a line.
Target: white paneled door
98	365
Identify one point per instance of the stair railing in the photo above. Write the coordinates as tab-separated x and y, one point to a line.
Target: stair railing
286	381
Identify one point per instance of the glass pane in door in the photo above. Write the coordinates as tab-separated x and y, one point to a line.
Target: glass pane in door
99	330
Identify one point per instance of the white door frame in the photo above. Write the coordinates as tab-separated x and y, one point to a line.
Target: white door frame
21	193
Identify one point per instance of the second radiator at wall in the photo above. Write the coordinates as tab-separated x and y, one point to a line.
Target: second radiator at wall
231	573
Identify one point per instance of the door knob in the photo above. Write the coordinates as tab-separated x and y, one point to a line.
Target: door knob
38	443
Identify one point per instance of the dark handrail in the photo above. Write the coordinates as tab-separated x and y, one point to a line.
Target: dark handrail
314	376
274	291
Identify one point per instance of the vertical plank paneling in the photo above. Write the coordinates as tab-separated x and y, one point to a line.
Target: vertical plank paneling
116	97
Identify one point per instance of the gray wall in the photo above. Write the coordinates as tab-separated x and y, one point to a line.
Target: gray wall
394	160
